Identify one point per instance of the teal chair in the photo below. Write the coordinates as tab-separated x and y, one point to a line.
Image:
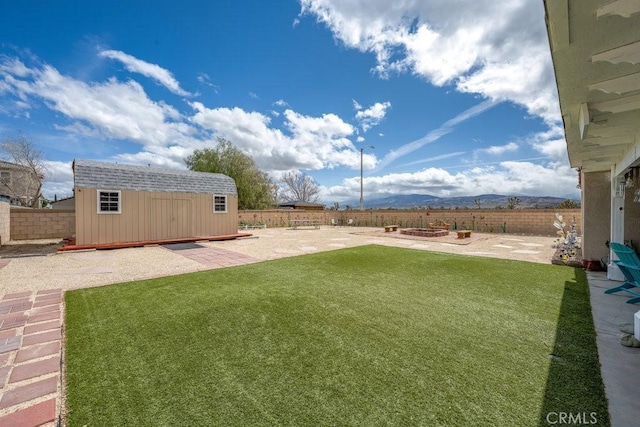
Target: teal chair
629	265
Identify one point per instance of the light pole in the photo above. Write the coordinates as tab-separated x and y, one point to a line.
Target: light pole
361	178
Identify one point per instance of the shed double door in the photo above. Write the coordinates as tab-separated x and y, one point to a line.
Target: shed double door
170	219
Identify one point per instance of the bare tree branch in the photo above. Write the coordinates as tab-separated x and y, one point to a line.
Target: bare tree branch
299	187
24	172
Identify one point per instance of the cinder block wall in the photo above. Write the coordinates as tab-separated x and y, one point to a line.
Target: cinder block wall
5	230
29	224
537	222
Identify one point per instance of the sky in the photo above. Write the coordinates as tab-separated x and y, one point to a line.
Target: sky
441	97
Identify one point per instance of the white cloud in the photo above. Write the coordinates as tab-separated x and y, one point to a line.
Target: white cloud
204	79
58	171
14	67
525	81
312	142
281	103
497	150
551	144
356	105
329	125
436	158
114	110
170	157
253	95
360	139
106	110
153	71
58	179
77	128
496	49
117	110
514	177
373	115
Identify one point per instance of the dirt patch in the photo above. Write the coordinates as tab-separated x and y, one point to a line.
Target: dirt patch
13	250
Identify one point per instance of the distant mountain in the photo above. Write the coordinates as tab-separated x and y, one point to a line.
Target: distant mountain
487	201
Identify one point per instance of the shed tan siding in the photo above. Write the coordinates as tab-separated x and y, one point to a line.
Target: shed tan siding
152	216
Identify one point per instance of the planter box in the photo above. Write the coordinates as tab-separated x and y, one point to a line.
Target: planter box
592	265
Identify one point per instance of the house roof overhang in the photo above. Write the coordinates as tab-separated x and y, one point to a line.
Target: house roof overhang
595	46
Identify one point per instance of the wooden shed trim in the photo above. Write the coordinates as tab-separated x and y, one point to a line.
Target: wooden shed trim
72	247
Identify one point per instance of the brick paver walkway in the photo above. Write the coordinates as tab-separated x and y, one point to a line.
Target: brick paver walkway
216	257
30	347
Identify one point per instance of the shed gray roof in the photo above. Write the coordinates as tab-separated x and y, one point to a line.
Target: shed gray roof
115	176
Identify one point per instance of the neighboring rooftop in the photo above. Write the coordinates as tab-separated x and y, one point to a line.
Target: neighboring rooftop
115	176
9	165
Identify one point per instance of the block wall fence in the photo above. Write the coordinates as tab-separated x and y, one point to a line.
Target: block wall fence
5	229
27	224
538	222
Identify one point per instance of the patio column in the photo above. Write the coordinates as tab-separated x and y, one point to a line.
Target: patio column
617	222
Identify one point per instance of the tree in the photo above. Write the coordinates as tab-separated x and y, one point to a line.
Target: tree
255	189
477	203
23	176
568	204
299	187
513	202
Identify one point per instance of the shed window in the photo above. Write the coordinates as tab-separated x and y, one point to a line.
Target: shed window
219	203
108	201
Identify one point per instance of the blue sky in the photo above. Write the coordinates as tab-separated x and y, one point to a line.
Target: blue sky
457	97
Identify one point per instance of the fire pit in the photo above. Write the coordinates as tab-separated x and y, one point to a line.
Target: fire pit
425	232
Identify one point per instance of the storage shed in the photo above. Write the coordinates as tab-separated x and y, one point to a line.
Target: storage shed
118	203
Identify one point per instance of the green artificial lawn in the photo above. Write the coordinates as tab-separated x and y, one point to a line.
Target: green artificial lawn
364	336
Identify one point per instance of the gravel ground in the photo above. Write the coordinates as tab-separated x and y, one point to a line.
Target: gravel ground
30	247
71	270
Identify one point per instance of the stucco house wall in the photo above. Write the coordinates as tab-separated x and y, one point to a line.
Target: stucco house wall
17	183
596	214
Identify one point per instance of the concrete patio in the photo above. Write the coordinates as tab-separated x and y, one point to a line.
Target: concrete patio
620	364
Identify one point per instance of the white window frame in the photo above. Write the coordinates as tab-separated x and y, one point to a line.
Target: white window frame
215	203
100	211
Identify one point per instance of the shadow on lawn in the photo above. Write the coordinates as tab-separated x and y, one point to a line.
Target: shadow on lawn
575	392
